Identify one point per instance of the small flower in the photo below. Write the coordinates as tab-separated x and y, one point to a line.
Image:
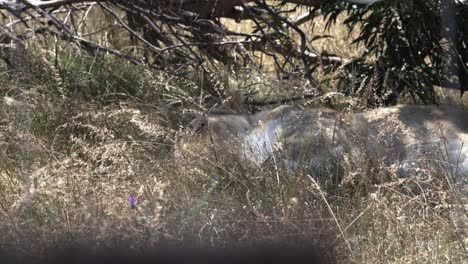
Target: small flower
216	179
132	201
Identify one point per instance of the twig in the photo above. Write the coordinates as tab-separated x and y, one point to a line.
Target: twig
91	45
131	31
28	4
5	32
304	57
283	101
304	18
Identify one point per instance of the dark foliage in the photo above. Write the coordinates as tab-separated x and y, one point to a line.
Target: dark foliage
411	45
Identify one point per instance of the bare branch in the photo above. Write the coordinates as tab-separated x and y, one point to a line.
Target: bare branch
135	34
283	101
17	7
98	48
303	45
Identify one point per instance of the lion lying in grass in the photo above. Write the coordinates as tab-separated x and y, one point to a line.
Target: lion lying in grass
401	141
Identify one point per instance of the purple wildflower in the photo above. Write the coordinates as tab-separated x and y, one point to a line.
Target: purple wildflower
132	201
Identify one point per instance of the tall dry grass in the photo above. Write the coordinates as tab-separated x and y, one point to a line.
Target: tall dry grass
87	154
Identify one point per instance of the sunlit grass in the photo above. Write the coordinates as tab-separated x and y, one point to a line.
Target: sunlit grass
79	137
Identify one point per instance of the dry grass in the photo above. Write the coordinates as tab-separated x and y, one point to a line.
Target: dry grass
77	143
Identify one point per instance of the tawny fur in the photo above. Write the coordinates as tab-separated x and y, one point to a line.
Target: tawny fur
400	139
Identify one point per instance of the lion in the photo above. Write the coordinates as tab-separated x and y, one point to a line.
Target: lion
403	140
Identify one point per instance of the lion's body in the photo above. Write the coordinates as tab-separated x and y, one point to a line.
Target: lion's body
400	140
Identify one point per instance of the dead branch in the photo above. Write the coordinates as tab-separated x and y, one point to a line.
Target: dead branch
284	100
131	31
93	47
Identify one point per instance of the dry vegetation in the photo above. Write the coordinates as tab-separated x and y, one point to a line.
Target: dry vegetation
81	135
